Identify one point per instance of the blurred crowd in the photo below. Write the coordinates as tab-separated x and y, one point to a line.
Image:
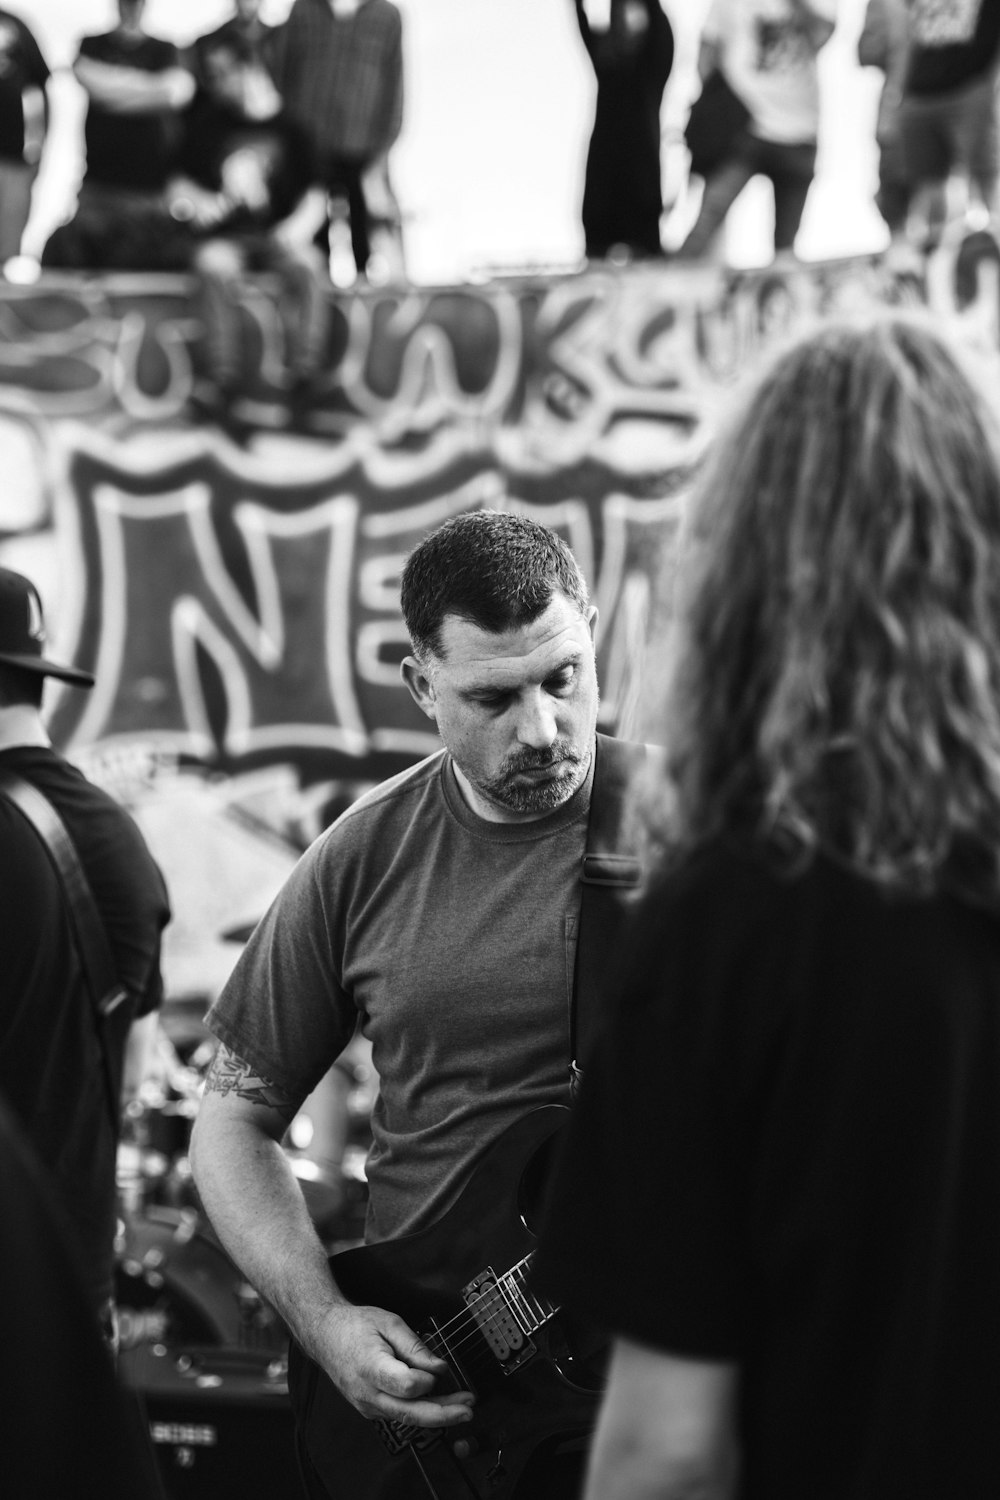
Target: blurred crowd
936	132
253	148
263	147
757	109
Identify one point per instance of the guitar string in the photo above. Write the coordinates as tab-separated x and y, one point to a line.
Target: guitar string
492	1320
476	1333
481	1356
466	1313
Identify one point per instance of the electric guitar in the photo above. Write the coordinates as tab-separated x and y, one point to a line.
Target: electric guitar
463	1284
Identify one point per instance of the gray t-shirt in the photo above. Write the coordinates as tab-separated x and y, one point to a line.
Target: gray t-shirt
451	940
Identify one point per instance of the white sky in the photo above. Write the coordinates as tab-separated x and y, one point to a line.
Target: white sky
499	101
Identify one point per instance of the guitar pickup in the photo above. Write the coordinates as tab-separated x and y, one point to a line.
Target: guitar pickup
495	1317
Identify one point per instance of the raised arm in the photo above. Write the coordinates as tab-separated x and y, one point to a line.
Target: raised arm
35	97
258	1211
584	24
660	45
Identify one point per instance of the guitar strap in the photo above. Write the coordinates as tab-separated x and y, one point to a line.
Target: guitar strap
610	871
89	936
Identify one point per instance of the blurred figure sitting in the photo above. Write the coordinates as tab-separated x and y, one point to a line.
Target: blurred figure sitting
883	45
766	51
136	87
339	67
244	188
622	194
24	120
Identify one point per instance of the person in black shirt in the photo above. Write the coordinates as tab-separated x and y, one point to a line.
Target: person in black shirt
622	194
136	85
883	44
55	1072
24	120
780	1190
948	113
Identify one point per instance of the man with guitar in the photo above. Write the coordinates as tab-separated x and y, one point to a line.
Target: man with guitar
441	914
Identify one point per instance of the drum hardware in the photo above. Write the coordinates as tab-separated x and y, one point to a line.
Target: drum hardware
176	1287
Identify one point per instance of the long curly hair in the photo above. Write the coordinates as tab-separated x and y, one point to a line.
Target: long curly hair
836	683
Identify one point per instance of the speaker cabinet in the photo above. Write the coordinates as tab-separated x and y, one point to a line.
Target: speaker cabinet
219	1421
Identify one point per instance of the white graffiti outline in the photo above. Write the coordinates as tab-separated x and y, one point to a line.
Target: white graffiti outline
484	490
173	336
428	391
623	597
265	312
618	513
110	507
609	308
573	516
101	342
263	639
335	518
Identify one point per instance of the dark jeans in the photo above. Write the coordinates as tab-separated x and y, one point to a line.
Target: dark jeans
894	190
221	264
117	230
790	170
342	179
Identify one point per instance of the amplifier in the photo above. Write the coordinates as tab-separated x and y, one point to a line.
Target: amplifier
219	1420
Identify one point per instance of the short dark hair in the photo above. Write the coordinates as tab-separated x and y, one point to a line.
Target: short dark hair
18	686
496	569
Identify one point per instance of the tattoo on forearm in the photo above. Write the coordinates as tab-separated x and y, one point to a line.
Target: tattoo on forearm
229	1074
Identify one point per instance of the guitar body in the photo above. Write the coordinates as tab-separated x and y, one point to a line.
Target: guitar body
534	1387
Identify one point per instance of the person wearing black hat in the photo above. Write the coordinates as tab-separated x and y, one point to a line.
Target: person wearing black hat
62	1070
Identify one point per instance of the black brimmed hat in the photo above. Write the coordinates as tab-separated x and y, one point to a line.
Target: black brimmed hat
22	631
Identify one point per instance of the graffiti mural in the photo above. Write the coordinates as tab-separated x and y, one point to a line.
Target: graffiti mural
228	564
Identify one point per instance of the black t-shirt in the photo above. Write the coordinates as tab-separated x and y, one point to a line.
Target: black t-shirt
50	1058
951	44
787	1155
622	187
21	66
130	150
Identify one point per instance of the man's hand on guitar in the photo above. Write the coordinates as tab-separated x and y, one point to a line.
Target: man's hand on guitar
384	1370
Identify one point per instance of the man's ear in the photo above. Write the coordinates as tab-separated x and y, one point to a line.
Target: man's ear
592	618
420	686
